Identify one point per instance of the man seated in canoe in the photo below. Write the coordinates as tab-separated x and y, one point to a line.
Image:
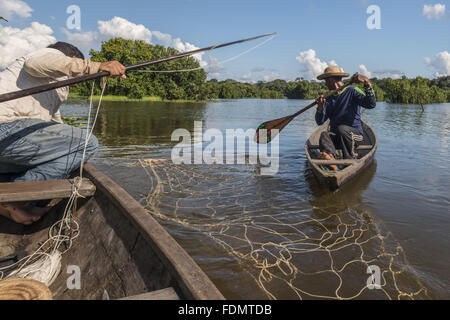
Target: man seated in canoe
344	111
35	144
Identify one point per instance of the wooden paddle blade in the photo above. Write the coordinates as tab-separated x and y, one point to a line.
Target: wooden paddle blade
268	130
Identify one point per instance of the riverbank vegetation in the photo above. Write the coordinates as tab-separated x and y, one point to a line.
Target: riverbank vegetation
192	85
167	86
128	99
415	91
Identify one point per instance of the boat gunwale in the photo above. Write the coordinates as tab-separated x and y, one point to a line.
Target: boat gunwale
337	179
191	279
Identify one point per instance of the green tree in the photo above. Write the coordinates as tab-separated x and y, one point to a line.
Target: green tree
177	85
192	85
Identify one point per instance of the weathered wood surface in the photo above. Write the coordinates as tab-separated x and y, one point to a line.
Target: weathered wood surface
121	249
334	180
42	190
191	279
336	162
112	256
361	147
163	294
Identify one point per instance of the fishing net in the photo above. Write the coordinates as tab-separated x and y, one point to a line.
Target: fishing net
292	248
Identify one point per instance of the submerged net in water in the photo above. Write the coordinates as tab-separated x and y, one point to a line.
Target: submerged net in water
292	248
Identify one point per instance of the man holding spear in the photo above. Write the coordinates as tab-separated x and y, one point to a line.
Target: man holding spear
34	143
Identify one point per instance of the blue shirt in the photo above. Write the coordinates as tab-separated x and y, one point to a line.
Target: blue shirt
345	108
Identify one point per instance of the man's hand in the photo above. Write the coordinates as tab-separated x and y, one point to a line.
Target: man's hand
115	69
359	78
320	102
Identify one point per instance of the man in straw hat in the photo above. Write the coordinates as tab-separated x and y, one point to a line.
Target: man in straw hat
344	111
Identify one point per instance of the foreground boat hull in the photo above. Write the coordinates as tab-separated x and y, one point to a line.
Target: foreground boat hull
121	251
335	180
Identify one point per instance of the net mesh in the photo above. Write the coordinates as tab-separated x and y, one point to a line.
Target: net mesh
291	248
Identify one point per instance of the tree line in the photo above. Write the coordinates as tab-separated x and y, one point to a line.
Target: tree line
151	82
415	91
192	85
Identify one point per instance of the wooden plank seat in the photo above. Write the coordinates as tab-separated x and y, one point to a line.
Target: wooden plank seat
43	190
163	294
345	162
361	147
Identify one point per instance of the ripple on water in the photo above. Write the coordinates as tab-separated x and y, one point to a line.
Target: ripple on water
285	236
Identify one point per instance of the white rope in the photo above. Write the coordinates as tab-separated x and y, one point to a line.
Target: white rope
45	267
206	67
41	265
355	138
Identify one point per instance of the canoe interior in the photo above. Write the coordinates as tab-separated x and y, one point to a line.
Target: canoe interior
111	254
334	180
116	254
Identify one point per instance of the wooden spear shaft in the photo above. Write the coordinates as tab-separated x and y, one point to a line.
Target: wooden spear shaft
59	84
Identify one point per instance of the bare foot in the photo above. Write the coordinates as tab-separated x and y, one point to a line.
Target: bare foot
326	156
20	214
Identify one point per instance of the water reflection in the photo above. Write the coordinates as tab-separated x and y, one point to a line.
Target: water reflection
286	236
146	124
349	195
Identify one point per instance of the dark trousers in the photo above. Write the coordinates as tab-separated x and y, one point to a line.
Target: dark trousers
35	150
346	138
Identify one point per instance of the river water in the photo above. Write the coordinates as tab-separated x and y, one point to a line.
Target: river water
285	236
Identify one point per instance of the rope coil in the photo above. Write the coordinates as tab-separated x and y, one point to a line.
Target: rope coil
44	264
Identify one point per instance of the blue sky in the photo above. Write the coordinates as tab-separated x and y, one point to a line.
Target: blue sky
334	30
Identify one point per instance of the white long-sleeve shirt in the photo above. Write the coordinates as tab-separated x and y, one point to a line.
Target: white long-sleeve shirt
38	68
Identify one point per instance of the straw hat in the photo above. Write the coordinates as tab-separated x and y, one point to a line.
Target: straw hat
24	289
332	71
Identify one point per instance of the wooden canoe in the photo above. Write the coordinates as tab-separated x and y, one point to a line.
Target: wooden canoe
121	251
349	168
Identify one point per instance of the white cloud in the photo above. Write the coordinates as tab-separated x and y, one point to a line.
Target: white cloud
215	75
312	66
364	71
116	27
213	66
441	62
179	45
15	42
434	12
388	73
271	76
221	76
163	37
120	27
246	77
332	63
85	40
9	8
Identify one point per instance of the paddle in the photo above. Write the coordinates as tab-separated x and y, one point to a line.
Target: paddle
58	84
279	124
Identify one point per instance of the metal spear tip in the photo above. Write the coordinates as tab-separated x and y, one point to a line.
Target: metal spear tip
269	34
